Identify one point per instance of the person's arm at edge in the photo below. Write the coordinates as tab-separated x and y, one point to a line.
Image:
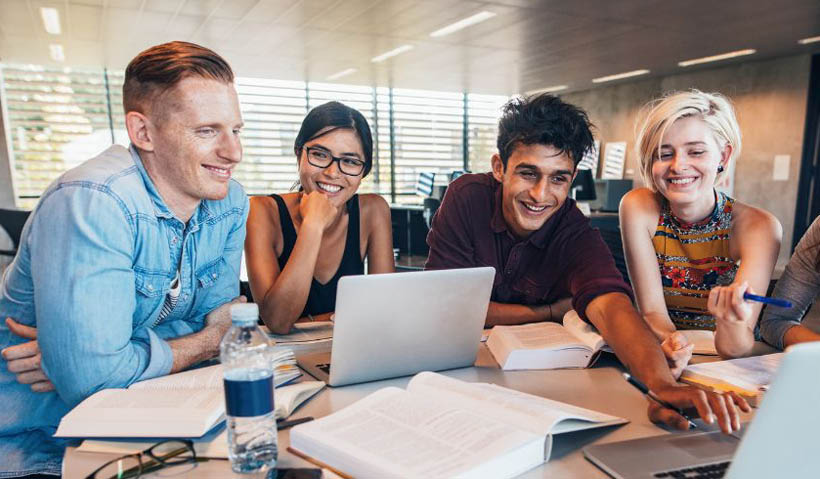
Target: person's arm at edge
379	254
800	284
635	345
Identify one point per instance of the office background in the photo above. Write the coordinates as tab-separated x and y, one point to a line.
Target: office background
431	96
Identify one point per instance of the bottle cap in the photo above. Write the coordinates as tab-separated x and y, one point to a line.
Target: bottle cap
244	313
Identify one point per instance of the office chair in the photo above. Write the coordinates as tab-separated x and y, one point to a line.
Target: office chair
12	221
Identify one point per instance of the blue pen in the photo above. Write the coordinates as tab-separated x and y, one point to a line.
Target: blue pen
766	300
645	390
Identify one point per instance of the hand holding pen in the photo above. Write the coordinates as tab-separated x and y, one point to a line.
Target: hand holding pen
651	395
734	303
665	405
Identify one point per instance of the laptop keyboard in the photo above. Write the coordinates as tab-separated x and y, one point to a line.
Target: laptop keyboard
709	471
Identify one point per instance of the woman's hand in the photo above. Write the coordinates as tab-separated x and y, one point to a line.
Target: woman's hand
678	351
726	303
316	208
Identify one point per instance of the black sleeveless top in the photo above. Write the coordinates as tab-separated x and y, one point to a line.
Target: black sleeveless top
322	297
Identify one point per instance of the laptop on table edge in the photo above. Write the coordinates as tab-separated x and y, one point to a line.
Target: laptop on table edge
780	441
398	324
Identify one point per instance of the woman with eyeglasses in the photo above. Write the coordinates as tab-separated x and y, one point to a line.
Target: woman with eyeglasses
299	244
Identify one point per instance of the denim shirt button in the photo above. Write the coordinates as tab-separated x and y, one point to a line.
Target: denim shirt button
150	287
213	275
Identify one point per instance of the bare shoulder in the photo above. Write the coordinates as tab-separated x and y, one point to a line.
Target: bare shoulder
748	219
640	205
263	214
373	206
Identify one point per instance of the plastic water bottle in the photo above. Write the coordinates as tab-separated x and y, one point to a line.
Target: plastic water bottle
245	353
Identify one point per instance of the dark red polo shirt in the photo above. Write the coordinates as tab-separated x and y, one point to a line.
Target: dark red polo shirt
565	258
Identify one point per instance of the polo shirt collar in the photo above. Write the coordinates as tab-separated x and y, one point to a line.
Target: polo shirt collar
540	238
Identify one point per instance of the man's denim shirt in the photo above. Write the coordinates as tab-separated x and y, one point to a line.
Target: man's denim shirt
95	262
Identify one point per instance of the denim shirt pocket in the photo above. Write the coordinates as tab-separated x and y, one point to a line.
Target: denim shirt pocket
150	292
210	273
150	284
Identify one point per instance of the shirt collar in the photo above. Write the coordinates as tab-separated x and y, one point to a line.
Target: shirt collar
161	209
540	238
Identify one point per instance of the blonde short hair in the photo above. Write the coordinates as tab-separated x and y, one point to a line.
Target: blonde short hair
713	108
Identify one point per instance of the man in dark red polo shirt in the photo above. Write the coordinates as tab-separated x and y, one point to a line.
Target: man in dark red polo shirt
518	220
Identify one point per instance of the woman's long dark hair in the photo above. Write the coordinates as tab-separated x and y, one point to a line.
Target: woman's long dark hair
332	116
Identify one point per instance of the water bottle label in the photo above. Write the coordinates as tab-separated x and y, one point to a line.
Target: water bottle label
248	398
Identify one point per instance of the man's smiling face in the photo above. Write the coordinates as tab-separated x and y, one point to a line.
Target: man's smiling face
534	185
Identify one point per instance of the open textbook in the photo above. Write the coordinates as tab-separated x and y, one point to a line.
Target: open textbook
187	404
749	377
442	427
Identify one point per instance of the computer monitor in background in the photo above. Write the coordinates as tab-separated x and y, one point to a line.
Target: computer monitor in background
583	186
455	174
609	193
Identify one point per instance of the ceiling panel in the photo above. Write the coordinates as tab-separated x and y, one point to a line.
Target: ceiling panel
167	6
15	18
529	44
85	22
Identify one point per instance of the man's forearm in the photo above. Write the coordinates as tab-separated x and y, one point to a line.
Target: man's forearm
634	344
194	348
509	314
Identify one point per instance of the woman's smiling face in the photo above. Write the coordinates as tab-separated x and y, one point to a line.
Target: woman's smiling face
685	168
338	187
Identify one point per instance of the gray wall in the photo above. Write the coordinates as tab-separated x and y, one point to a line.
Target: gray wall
770	98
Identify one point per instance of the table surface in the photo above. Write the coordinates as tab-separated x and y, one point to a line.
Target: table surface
601	388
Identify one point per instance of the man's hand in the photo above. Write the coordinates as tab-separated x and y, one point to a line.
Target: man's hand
203	344
24	359
678	352
219	320
721	407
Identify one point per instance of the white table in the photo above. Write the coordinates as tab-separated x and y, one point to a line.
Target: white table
601	388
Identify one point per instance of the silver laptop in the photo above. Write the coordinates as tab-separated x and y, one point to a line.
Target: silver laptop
390	325
781	440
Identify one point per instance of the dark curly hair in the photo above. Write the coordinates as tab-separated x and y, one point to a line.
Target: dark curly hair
544	120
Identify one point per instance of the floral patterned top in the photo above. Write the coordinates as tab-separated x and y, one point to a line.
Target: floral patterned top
693	258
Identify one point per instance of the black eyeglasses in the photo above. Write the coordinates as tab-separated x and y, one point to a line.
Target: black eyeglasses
172	452
321	158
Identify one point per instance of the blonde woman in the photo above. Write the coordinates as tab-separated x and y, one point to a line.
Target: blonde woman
692	251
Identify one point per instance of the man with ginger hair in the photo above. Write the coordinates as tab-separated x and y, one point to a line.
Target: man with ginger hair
129	264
